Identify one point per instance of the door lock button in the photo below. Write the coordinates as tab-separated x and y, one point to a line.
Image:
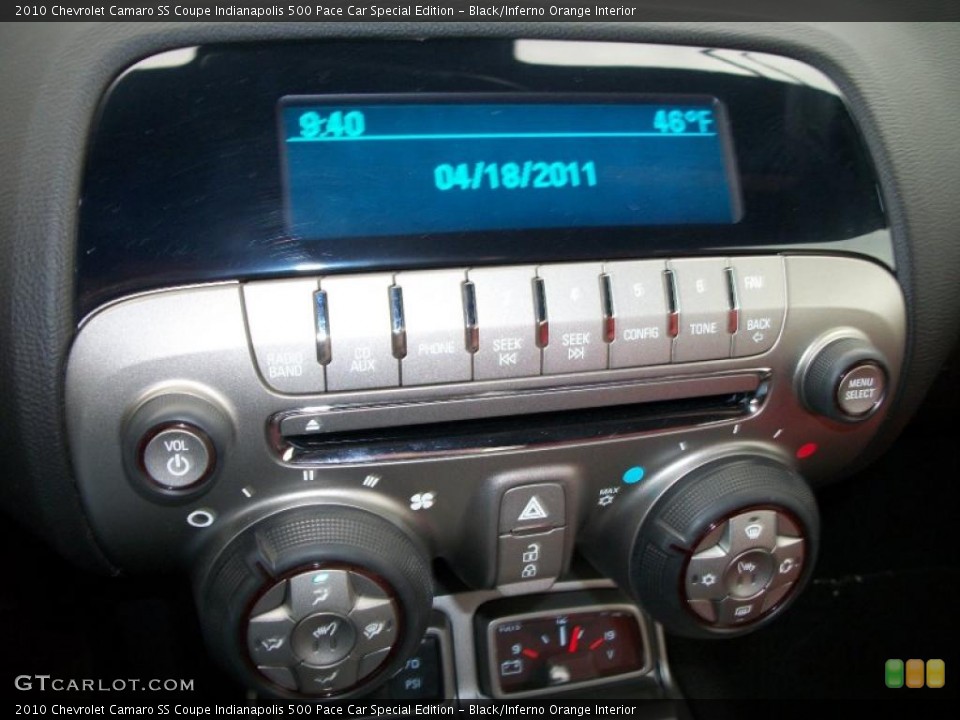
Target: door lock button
177	456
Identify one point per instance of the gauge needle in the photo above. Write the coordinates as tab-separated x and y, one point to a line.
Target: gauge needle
575	638
532	654
596	643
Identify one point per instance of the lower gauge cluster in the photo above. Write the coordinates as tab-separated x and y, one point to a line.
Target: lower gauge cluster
570	643
545	652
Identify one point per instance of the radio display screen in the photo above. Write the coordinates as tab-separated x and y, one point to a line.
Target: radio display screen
368	166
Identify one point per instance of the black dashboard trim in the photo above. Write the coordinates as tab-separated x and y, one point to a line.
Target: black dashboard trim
61	71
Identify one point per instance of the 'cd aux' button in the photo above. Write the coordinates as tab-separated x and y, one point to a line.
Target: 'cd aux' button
506	325
361	345
575	314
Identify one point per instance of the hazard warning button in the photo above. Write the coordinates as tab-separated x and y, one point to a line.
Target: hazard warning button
530	507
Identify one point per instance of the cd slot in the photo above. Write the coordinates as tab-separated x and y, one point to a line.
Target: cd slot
506	432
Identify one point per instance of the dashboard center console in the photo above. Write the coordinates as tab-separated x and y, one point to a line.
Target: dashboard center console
475	355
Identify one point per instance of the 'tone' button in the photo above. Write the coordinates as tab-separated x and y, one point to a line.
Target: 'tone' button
178	457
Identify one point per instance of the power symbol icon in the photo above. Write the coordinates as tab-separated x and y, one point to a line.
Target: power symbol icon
177	456
178	466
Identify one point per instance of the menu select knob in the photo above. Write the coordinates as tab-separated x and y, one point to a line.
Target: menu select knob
846	381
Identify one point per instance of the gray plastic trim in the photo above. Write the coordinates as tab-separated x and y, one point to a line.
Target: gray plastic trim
460	609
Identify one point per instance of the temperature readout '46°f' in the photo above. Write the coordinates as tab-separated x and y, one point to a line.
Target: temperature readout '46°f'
403	168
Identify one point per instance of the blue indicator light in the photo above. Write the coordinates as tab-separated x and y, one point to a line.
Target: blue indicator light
634	475
321	578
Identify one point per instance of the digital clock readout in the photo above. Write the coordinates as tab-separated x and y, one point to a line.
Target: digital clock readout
366	169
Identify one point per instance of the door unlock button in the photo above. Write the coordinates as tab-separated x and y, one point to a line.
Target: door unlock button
176	457
535	556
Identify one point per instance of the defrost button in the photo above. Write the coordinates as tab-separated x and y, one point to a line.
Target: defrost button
750	530
739	612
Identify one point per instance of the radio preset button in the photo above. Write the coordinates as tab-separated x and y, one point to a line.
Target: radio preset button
575	313
703	296
361	335
283	331
506	326
761	299
640	312
434	316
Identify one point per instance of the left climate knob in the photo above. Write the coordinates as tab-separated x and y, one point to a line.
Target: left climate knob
319	601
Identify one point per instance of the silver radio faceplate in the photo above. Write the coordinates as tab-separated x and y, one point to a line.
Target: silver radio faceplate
187	353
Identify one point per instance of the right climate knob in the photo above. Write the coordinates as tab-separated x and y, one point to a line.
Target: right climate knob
846	380
726	548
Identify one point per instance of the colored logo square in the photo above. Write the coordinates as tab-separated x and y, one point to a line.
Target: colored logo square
893	673
915	673
936	673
